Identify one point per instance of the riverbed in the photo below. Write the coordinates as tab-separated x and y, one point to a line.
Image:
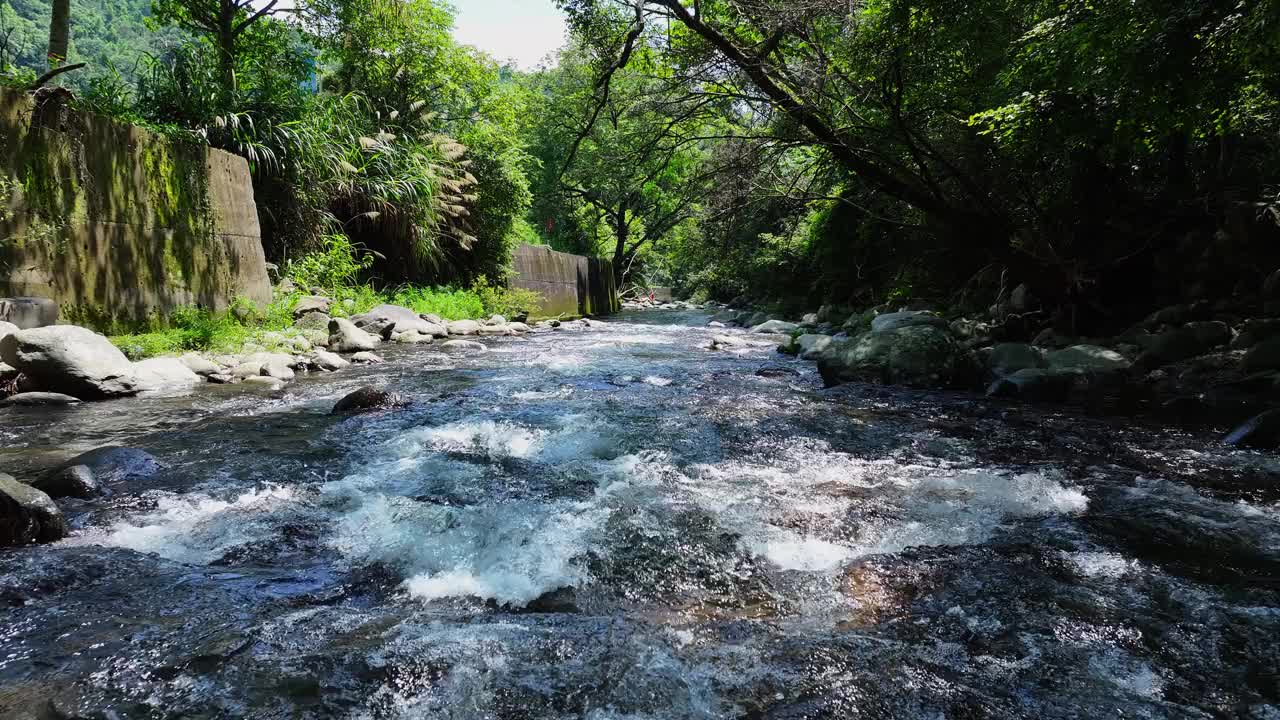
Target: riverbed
616	523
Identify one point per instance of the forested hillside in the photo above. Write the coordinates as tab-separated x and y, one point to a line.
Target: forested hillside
111	36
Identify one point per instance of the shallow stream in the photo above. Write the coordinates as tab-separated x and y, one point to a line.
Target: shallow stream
616	523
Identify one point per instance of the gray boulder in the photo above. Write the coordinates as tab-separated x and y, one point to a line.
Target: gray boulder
411	338
910	318
811	347
311	304
27	515
809	320
345	337
7	328
366	358
38	399
464	327
519	328
719	342
404	319
313	321
199	365
916	355
753	319
1088	359
495	330
71	360
265	382
327	361
1009	358
76	481
157	374
278	369
496	320
779	327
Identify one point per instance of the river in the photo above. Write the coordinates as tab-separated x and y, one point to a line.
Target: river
615	523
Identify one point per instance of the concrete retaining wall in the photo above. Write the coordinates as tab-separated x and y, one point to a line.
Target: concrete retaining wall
119	225
570	285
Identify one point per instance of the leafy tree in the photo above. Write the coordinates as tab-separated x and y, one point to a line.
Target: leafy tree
226	23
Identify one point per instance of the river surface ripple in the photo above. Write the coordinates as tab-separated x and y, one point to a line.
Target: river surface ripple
616	523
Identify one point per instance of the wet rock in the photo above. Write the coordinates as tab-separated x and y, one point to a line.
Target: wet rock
776	327
809	320
495	330
777	371
412	338
464	327
725	316
112	464
1261	432
1034	384
518	327
327	361
366	358
278	369
246	370
71	360
220	378
716	324
496	320
1263	356
435	320
911	318
165	374
345	337
7	328
369	398
464	346
1009	358
38	399
753	319
1089	359
27	515
77	481
311	304
917	355
199	365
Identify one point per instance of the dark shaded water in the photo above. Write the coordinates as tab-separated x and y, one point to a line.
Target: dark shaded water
614	523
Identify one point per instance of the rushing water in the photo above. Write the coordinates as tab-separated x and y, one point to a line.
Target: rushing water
616	523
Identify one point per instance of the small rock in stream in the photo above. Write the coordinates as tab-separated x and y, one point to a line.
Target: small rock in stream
110	465
76	481
27	515
38	399
369	398
366	358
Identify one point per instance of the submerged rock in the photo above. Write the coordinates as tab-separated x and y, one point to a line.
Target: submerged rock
265	381
915	355
77	481
1034	384
366	358
111	464
72	360
38	399
369	398
28	515
464	346
725	341
1261	432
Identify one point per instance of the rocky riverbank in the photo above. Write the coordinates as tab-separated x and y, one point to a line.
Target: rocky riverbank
1190	364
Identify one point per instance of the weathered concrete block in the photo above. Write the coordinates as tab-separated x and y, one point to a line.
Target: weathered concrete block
569	284
28	312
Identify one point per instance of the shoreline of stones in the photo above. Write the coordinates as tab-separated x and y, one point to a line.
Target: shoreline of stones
77	360
1192	364
66	364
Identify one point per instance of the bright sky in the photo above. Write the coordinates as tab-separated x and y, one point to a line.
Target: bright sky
521	30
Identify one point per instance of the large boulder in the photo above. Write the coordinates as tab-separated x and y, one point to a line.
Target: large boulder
327	361
753	319
199	365
110	465
405	320
77	481
71	360
345	337
165	374
464	327
1087	359
776	327
311	304
811	347
916	355
27	515
7	328
1008	358
910	318
313	321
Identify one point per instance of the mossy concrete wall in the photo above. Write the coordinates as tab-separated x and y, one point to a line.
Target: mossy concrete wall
571	285
118	225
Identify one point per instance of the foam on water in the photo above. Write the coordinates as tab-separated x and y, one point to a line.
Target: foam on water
194	528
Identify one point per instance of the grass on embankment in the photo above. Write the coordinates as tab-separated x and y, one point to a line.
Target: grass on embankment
198	330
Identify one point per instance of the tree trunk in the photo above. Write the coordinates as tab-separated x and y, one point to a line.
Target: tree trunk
227	47
59	32
622	231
